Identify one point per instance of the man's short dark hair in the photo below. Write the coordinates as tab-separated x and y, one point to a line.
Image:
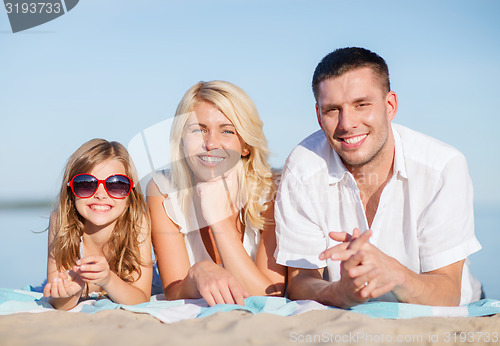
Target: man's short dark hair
343	60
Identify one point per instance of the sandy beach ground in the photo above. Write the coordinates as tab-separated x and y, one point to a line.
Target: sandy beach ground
327	327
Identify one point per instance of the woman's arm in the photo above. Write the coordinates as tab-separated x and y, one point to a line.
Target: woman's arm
265	276
204	279
170	250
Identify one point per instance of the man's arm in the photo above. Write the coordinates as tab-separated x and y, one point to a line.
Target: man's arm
438	287
344	293
309	284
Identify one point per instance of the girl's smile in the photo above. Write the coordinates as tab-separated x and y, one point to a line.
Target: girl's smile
101	210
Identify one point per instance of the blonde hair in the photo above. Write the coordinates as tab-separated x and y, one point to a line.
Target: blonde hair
254	173
122	249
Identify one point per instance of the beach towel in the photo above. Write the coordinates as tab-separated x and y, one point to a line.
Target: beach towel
26	300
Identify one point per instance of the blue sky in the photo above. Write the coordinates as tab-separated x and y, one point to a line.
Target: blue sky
113	68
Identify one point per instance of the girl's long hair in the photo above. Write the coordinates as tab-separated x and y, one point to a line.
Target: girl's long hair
122	249
254	173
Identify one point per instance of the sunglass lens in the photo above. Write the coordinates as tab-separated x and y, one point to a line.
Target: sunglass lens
118	186
84	185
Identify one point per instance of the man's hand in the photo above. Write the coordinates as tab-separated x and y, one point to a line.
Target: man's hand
365	271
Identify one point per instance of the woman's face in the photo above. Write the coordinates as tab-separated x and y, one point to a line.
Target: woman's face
210	143
101	210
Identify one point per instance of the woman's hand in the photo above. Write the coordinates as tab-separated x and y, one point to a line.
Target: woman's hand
93	269
220	198
216	284
66	285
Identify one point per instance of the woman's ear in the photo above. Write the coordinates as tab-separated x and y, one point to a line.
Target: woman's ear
245	152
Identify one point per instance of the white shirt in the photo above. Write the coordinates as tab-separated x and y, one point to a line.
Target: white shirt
424	218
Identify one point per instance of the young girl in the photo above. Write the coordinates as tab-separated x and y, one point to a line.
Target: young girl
212	213
99	239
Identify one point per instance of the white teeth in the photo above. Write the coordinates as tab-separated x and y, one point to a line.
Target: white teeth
356	139
211	159
100	207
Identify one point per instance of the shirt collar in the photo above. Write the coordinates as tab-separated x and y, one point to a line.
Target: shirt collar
399	158
337	170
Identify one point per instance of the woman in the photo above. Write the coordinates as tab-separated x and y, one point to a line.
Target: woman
212	213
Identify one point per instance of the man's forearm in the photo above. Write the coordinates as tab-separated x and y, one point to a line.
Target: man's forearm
437	288
314	288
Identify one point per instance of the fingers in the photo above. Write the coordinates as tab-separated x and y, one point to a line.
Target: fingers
55	289
224	293
358	242
238	294
227	295
356	233
90	260
46	289
91	264
67	276
370	278
328	253
217	295
352	242
359	270
93	269
340	236
217	286
352	261
344	236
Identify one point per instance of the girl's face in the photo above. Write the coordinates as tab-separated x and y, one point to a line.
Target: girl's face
210	143
101	210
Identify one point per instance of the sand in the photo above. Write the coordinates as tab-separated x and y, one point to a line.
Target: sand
327	327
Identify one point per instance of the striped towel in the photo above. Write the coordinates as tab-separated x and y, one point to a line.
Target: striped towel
14	301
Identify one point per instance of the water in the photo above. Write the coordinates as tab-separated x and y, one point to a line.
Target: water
23	248
23	253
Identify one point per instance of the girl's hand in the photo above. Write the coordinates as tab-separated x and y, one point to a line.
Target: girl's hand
93	269
66	285
216	284
220	198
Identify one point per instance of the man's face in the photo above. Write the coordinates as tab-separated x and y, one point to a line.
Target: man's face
355	113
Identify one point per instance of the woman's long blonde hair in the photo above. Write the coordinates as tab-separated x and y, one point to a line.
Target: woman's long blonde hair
122	249
254	174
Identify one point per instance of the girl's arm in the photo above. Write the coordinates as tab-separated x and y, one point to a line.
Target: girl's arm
95	269
62	290
265	276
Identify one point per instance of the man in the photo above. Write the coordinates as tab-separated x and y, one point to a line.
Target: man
386	209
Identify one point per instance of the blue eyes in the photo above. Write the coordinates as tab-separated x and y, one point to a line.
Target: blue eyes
227	132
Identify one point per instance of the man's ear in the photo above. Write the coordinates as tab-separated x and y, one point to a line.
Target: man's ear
392	105
318	116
